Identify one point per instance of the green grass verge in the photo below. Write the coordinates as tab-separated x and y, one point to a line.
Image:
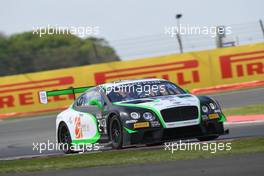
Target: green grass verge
245	110
243	146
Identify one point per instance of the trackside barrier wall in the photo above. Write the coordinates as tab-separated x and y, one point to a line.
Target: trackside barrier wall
19	93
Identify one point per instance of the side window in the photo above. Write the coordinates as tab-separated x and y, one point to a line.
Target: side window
88	97
80	100
99	97
84	99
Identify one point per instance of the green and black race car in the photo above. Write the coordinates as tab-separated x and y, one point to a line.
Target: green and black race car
131	112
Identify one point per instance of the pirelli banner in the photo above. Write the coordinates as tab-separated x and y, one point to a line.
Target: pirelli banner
193	70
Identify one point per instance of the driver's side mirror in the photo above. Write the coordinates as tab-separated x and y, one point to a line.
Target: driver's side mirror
95	102
187	91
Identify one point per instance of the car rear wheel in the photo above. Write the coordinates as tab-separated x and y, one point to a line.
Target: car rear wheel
64	139
116	133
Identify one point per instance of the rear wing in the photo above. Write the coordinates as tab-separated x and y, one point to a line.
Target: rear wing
43	95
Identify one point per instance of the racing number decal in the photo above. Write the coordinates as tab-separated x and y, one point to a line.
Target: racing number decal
78	128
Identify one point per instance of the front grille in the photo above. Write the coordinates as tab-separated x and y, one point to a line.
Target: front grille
180	113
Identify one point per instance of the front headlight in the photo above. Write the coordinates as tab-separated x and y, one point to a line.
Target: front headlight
205	109
213	106
148	116
134	115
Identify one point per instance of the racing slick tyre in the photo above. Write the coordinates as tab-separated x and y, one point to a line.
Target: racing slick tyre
116	133
64	139
219	128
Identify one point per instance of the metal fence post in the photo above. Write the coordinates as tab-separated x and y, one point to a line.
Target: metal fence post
262	27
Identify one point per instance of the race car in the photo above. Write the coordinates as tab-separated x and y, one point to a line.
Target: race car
132	112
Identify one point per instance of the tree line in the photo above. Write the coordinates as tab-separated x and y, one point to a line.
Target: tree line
26	52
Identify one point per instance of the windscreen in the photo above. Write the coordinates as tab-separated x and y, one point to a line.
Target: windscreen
125	92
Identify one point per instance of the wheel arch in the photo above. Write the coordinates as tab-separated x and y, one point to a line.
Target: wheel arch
58	128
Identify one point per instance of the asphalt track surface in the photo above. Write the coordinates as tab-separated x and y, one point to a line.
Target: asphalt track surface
17	136
241	165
